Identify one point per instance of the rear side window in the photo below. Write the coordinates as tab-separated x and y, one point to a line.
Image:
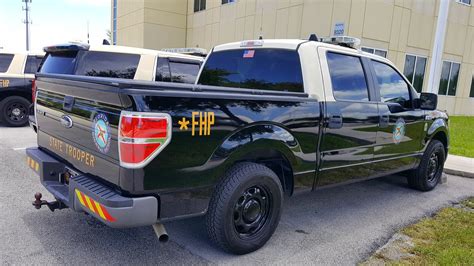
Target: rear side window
5	61
264	69
163	70
347	77
106	64
59	63
393	88
32	64
184	72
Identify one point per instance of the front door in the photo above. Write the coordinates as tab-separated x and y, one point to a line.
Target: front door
351	118
401	127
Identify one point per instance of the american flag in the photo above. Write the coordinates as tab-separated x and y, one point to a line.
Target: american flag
249	53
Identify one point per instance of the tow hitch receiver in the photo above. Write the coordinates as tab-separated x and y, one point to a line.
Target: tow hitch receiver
51	205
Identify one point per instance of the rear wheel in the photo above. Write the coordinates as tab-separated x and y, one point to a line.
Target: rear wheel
428	173
245	208
14	111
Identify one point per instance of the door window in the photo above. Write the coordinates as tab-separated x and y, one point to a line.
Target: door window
347	77
183	72
32	64
5	61
393	88
163	70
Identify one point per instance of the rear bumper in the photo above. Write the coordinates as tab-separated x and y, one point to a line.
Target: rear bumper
83	193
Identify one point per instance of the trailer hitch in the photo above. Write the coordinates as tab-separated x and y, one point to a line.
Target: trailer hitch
51	205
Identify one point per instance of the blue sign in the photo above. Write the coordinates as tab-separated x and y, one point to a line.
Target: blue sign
339	29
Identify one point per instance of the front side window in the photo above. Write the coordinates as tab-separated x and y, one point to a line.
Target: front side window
259	69
32	64
347	77
106	64
414	70
449	78
5	61
392	86
183	72
199	5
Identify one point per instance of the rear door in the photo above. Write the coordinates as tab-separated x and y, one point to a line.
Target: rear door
350	116
78	120
401	127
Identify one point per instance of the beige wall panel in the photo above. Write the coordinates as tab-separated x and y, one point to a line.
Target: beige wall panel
131	36
173	6
294	22
341	12
165	18
215	34
134	18
249	28
199	19
190	6
447	103
268	23
128	6
404	27
283	3
239	29
317	18
198	36
378	20
159	37
208	37
396	27
468	55
250	7
465	106
210	3
189	38
240	5
216	14
424	7
455	38
209	15
189	21
356	25
421	31
296	2
459	13
281	23
464	81
471	17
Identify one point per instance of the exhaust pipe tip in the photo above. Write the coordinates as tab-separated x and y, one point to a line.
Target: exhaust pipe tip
161	233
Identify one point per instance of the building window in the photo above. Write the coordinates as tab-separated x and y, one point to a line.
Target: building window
375	51
414	71
199	5
228	1
472	88
465	2
449	78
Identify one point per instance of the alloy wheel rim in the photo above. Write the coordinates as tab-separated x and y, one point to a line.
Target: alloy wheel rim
16	112
433	167
251	211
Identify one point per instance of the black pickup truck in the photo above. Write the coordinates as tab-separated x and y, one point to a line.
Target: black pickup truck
266	118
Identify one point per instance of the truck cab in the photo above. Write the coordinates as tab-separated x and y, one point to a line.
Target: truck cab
17	71
264	119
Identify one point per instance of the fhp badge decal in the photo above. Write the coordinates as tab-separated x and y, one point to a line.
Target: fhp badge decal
101	133
399	131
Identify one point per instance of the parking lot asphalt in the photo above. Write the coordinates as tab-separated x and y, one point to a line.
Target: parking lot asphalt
339	225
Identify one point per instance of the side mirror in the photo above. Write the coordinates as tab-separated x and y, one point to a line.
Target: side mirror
428	101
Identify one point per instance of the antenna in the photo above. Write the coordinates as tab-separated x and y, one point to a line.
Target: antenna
27	22
88	32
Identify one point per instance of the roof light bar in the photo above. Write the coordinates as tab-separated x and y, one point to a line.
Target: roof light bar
345	41
251	43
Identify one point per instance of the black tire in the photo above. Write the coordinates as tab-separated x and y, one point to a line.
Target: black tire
245	208
14	111
428	173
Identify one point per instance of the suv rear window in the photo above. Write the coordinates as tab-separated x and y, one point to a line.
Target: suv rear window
90	63
5	61
106	64
176	71
264	69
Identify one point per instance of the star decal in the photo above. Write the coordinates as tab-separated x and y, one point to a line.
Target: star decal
183	124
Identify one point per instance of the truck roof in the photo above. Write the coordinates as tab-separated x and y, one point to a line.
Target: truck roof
35	53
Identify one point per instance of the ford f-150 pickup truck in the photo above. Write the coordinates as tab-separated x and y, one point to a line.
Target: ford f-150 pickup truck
265	118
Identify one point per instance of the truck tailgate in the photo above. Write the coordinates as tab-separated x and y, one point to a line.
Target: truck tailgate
78	121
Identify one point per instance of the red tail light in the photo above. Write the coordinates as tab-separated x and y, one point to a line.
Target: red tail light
142	136
33	91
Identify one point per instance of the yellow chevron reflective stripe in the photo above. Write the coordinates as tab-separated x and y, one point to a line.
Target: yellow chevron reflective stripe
80	197
37	167
99	209
89	203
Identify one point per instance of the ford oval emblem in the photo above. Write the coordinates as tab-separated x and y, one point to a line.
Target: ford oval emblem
66	121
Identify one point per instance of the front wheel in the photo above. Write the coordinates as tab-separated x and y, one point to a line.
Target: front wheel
245	208
14	111
428	173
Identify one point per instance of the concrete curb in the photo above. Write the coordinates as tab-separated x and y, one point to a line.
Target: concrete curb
459	173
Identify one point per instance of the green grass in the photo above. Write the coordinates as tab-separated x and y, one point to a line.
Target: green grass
462	135
445	239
